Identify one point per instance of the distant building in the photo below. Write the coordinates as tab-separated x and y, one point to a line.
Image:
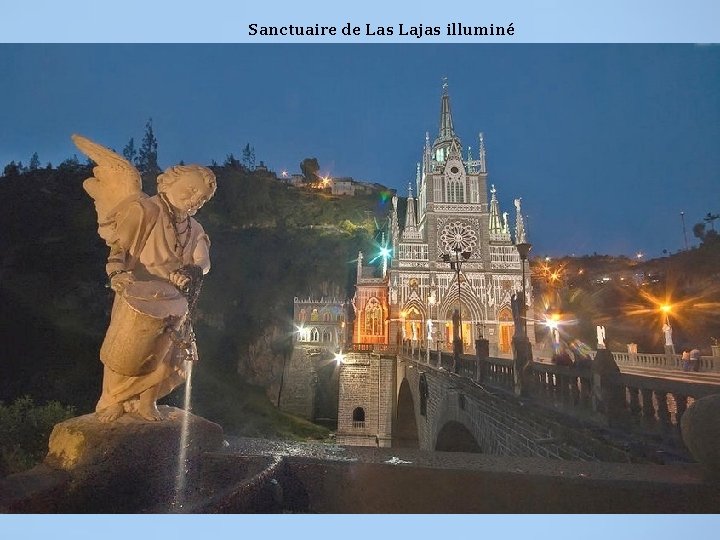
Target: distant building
320	322
295	180
342	186
310	375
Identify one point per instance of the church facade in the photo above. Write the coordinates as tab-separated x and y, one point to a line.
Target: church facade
454	254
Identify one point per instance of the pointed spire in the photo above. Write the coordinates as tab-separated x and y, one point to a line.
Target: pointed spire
481	158
359	266
384	259
410	232
496	229
394	225
446	123
410	221
520	235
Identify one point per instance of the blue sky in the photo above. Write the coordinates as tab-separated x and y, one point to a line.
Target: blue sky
606	144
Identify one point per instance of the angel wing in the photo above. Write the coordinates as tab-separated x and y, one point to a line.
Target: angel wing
114	183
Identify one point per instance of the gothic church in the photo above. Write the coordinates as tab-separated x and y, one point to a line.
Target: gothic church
451	217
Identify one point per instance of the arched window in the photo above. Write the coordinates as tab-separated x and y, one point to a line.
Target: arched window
455	190
358	417
314	315
302	317
314	335
326	335
326	316
373	318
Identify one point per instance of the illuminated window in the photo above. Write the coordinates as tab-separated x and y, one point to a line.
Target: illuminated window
326	335
455	190
314	335
373	318
314	316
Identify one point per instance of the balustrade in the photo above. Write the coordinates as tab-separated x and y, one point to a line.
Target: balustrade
648	404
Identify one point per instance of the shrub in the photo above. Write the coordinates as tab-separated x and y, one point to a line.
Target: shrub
24	432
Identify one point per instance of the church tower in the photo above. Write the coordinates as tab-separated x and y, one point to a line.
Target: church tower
451	216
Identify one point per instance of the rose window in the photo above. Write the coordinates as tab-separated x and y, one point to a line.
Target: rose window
458	236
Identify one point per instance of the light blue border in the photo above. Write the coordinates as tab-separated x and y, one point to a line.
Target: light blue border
357	527
226	21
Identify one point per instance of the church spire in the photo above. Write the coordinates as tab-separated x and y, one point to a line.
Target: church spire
481	158
497	230
410	221
410	232
446	123
520	233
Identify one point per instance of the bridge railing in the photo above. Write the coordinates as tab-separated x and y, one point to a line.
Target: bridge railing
639	403
378	348
661	361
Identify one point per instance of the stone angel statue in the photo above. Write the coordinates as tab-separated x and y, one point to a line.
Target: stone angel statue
158	255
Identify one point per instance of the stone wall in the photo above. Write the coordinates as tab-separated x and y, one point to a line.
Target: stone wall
367	381
299	382
499	424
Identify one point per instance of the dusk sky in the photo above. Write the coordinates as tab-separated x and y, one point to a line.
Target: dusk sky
606	144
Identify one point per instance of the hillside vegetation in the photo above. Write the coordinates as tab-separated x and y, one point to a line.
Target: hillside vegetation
270	243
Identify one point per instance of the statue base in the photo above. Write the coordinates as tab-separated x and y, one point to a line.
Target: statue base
608	397
522	365
128	465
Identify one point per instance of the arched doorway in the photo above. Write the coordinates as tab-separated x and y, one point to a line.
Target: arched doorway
506	329
455	437
405	431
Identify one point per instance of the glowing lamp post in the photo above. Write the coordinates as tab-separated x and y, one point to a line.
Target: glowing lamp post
456	264
666	309
431	303
553	323
523	250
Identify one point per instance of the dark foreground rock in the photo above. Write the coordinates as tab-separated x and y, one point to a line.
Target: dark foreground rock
125	466
700	427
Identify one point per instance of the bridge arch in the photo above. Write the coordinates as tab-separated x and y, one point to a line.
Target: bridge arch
405	432
455	437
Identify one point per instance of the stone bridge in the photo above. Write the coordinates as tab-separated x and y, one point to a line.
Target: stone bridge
429	401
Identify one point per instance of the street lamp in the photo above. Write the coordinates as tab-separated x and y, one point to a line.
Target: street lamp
456	264
431	303
524	249
667	329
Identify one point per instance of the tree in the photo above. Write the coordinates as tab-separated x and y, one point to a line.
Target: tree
11	169
230	161
710	218
309	168
130	152
249	157
34	162
146	160
705	235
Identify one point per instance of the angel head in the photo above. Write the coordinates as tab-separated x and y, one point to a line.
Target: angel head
187	187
